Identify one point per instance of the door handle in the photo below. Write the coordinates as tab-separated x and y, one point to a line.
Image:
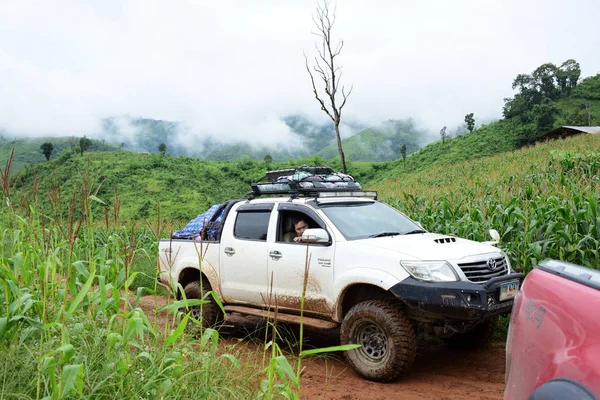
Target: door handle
275	255
229	251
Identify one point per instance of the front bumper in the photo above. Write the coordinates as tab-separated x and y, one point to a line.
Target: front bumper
464	301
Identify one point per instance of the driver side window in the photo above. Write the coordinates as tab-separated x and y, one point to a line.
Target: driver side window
291	224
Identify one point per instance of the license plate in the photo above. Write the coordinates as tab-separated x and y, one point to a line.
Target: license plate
509	290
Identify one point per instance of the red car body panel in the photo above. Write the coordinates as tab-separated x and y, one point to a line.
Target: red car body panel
554	333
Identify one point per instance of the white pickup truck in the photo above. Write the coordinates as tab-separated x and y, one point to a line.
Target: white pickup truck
361	264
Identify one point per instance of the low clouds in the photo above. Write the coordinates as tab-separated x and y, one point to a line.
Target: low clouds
233	70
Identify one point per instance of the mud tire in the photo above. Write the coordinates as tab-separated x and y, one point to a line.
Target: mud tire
209	313
388	339
479	336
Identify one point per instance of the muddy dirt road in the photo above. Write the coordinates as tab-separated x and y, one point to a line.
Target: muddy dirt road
438	373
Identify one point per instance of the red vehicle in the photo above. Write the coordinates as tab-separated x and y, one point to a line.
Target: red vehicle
553	345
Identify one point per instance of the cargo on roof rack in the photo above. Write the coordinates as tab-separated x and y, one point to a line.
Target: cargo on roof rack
309	181
308	189
279	173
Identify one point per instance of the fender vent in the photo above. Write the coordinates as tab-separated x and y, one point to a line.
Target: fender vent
445	240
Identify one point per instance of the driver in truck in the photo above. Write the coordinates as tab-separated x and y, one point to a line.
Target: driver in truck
299	226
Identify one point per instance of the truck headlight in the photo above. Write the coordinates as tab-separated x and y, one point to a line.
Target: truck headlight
430	271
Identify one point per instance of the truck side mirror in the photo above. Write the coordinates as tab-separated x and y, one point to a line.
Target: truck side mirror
315	235
495	237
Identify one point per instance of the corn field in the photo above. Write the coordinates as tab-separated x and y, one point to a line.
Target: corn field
71	324
543	201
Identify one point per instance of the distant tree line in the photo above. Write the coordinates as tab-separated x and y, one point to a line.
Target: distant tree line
534	103
77	145
546	84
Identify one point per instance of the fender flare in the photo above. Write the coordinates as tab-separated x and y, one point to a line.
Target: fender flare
206	269
363	275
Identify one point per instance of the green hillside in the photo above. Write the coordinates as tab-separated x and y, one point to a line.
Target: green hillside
27	150
498	137
183	186
380	143
579	106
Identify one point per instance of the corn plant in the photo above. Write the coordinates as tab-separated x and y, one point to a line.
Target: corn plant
70	326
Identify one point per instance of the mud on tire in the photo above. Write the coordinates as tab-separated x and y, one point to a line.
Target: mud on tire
209	313
479	336
388	340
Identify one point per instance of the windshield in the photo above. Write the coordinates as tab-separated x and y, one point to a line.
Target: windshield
372	219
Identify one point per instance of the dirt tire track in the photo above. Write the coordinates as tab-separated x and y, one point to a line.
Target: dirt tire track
438	373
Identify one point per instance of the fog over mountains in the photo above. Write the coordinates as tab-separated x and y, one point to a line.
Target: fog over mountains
303	138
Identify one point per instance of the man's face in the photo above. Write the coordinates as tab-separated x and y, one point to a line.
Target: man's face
300	227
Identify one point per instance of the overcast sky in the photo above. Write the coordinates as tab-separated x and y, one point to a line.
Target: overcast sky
233	68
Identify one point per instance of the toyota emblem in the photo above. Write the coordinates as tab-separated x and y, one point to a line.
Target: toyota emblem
491	264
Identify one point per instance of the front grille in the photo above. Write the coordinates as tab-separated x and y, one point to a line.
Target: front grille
479	272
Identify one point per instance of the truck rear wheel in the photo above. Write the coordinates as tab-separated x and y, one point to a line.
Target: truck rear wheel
209	314
389	345
479	336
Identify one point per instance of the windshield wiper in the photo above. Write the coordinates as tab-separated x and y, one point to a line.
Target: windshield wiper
415	231
382	234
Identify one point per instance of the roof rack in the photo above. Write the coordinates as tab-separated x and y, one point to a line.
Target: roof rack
309	189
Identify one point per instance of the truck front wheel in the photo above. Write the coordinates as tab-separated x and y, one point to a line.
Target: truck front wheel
388	340
208	313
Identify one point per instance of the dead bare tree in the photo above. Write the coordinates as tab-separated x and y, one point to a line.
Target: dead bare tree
330	73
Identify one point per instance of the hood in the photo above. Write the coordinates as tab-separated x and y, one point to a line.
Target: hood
430	246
